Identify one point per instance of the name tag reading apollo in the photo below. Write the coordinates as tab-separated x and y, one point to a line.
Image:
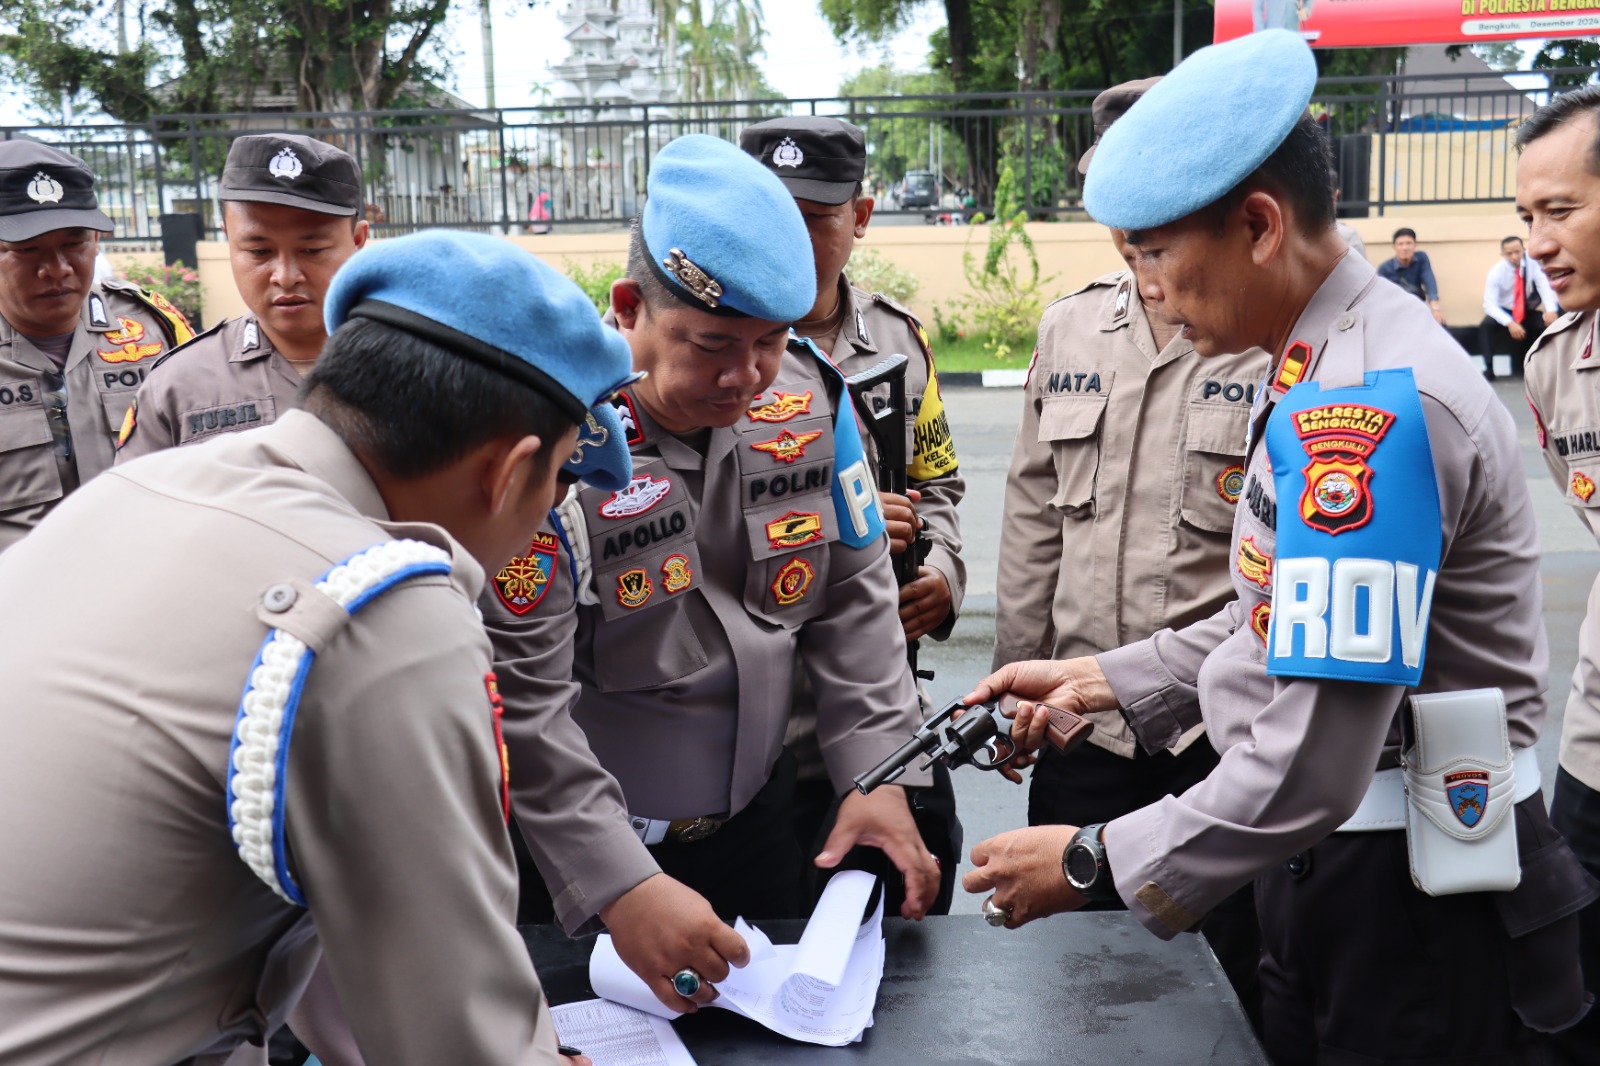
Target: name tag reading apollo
1358	531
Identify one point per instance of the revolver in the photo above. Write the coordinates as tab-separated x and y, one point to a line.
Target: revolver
981	737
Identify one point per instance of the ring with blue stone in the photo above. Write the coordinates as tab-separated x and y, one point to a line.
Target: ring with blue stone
687	982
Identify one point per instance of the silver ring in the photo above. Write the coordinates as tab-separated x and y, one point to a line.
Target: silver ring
994	914
687	982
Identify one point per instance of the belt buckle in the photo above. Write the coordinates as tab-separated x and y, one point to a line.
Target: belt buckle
691	830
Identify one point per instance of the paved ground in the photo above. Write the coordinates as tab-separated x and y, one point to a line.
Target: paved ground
984	422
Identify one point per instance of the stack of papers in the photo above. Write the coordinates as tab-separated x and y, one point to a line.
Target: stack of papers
821	990
613	1035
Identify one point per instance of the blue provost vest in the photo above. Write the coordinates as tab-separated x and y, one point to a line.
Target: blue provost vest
1358	531
855	493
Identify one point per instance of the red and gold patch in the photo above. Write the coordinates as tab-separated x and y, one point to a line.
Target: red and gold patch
794	578
786	447
129	420
130	352
784	406
523	581
1339	438
498	708
634	588
179	322
1582	485
794	529
1254	565
129	331
1260	620
1293	366
1230	483
675	573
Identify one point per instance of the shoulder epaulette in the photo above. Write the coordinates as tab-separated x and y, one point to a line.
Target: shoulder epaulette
173	323
186	345
1104	281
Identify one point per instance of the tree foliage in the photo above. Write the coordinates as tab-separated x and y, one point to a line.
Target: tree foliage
217	55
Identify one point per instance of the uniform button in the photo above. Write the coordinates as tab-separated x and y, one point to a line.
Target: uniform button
1299	864
1345	322
279	598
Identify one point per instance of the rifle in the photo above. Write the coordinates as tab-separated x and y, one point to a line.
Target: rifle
887	428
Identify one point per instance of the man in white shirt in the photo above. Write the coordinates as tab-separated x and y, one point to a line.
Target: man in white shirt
1512	294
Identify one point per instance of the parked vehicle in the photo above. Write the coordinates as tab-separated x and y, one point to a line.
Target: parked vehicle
920	189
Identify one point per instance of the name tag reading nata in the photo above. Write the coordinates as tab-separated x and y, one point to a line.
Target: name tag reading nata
1358	531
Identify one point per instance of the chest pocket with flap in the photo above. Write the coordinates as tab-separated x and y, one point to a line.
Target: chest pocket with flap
1071	426
1213	465
28	470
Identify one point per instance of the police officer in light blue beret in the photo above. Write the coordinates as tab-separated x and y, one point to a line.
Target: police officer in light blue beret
748	544
315	724
1386	611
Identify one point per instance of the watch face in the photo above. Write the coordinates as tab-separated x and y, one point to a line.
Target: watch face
1081	866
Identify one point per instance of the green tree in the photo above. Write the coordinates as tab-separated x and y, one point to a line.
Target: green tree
204	56
1568	53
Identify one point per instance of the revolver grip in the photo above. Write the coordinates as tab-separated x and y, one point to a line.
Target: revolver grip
1065	730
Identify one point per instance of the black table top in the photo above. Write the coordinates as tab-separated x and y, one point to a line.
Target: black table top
1077	988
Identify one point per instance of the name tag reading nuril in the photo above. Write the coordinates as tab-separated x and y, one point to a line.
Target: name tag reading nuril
1358	532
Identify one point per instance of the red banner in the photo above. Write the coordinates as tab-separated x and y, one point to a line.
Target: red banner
1380	23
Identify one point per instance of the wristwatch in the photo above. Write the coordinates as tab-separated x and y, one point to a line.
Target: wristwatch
1085	865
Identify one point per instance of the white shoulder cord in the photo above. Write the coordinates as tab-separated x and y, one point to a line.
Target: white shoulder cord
259	756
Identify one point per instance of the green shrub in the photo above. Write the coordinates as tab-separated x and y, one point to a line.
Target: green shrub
595	279
1003	300
180	284
869	271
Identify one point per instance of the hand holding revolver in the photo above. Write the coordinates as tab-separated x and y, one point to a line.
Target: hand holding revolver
1076	685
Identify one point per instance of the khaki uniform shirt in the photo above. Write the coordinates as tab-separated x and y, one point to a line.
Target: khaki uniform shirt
58	429
569	809
1298	754
1564	391
131	931
704	586
228	378
1126	472
873	328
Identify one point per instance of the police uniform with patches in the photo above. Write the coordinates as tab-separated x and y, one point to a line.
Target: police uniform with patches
1562	390
169	843
231	377
735	558
1399	560
59	424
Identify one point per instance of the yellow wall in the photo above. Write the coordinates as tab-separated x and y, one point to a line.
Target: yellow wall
1462	248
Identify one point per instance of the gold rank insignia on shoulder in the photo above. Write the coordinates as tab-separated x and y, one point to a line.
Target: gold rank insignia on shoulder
784	406
701	286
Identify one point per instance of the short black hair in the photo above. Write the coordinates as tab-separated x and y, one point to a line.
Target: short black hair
652	290
1403	231
1508	240
1297	172
415	407
1568	107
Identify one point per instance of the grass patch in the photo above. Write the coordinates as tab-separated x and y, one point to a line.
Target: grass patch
969	355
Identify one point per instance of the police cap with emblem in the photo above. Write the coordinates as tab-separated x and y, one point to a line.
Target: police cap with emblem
1200	131
294	171
486	300
723	235
44	189
818	159
1110	106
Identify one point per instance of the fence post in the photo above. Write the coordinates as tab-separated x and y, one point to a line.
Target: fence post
1390	88
161	188
505	168
358	135
1027	155
194	162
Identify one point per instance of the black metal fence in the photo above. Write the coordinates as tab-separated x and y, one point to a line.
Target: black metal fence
1401	142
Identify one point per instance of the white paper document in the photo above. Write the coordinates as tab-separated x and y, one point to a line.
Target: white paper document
821	990
614	1035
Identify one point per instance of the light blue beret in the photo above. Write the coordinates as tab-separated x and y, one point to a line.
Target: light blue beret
1200	131
488	301
724	234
